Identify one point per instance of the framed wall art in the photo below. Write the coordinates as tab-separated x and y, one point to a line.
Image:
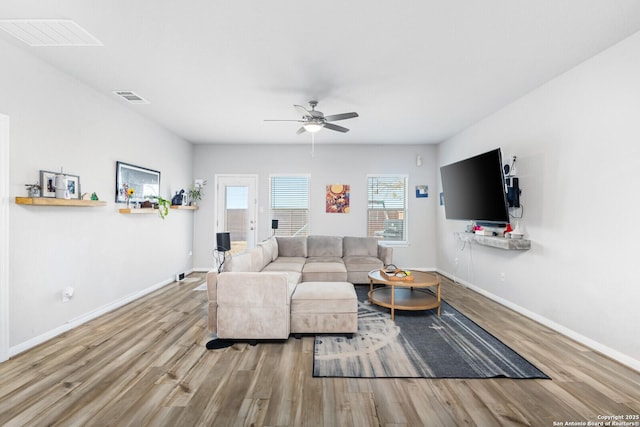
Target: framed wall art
337	198
144	182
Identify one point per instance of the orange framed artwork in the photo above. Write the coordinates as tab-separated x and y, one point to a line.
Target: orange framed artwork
337	198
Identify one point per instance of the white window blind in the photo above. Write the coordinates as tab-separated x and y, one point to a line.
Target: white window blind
387	207
290	204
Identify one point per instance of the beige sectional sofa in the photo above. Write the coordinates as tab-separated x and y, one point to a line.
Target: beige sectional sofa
252	298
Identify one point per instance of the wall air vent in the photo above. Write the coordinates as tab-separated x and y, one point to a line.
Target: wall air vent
49	32
131	97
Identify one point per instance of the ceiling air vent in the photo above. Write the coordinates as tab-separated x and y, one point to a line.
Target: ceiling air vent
131	97
49	32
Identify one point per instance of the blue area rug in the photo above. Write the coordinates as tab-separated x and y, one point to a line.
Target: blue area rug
419	344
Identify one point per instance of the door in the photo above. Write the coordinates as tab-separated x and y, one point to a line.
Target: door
236	201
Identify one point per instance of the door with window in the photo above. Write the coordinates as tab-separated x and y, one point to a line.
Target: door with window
236	210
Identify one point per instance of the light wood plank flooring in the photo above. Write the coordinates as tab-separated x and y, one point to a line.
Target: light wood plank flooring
146	364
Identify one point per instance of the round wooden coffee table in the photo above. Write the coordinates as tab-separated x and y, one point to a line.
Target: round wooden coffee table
404	295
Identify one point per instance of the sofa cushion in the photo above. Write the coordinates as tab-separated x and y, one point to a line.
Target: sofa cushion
256	259
324	269
292	246
239	262
324	297
362	263
293	277
269	249
287	264
360	246
324	246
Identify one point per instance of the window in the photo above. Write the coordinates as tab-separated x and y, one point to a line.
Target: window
290	204
387	207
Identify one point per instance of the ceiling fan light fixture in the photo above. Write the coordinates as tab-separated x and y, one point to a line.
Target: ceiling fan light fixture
313	127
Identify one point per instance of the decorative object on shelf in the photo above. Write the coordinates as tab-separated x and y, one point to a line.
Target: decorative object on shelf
33	190
48	183
73	185
223	245
128	193
62	191
178	198
161	204
517	232
196	191
337	198
94	196
145	182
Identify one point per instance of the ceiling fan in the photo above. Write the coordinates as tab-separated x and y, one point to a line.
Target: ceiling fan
313	120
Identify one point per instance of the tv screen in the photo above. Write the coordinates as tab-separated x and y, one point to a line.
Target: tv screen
474	190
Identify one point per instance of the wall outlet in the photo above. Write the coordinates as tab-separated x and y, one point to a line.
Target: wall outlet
67	294
456	261
502	277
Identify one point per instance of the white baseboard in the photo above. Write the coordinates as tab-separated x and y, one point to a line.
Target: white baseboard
74	323
594	345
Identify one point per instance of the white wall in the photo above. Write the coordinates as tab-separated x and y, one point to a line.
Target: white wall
107	257
577	140
332	164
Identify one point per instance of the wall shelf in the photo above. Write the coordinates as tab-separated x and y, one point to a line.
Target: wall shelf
137	211
495	241
49	201
187	208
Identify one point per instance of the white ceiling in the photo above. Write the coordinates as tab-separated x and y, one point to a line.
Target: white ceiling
417	71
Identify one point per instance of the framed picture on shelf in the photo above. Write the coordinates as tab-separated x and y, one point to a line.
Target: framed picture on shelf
145	182
73	185
47	184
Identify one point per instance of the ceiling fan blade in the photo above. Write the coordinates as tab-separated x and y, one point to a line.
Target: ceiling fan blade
283	120
342	116
335	127
301	130
303	111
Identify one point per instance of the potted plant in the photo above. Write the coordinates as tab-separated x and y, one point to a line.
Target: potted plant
161	204
196	192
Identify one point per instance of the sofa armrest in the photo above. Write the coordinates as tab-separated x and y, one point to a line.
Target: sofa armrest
252	289
253	305
385	254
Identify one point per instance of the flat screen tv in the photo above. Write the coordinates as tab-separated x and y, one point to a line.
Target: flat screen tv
474	190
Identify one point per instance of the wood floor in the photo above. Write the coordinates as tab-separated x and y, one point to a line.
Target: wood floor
146	364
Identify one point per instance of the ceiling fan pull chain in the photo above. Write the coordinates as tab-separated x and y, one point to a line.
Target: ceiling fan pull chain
313	145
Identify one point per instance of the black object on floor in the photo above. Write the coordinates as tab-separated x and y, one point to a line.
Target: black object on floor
218	344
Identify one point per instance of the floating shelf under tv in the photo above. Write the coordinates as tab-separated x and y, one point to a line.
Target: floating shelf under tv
495	241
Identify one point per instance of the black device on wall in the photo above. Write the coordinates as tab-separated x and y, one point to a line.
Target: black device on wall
474	189
513	192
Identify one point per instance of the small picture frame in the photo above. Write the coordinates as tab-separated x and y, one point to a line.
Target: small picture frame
73	185
422	191
47	184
